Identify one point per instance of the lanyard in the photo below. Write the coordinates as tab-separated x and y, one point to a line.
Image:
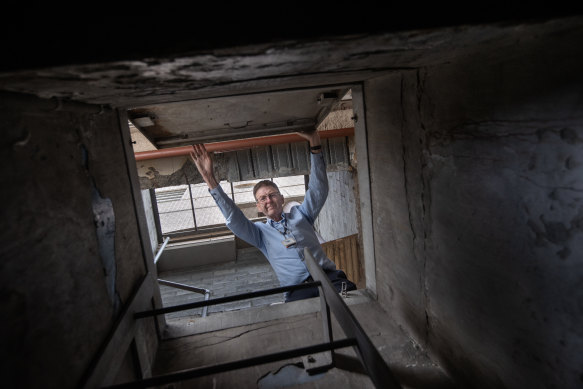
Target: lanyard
278	226
287	241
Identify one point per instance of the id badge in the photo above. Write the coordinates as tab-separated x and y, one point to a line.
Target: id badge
288	242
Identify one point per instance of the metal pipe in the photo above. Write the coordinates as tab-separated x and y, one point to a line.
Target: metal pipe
161	249
191	202
183	286
240	144
190	288
207	295
156	214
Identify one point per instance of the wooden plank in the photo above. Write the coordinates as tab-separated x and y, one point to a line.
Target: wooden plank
337	255
364	189
344	253
354	249
349	258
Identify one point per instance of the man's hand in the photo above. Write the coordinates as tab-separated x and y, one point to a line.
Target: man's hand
204	164
311	136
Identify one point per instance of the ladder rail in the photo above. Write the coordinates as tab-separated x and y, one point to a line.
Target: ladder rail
373	363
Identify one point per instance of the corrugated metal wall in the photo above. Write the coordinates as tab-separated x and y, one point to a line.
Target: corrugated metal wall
284	160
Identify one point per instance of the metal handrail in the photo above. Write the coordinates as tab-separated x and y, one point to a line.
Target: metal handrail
190	288
222	300
159	253
177	285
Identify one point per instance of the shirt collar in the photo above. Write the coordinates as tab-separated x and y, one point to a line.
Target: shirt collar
273	223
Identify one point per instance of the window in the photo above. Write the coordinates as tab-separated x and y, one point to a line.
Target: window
188	208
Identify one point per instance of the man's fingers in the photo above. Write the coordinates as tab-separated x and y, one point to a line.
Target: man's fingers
199	149
307	134
195	151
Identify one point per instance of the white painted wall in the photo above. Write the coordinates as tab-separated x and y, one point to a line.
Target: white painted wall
338	218
150	219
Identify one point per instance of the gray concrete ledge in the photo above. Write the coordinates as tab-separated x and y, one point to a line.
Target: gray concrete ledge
186	255
186	326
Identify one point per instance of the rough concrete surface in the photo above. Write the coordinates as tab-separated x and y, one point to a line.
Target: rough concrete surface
474	142
477	200
408	361
55	297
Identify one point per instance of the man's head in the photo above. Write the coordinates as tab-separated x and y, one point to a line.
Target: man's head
269	199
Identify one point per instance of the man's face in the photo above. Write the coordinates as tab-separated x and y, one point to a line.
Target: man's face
270	202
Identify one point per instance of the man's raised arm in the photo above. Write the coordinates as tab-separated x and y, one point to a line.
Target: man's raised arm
317	192
234	217
204	164
314	138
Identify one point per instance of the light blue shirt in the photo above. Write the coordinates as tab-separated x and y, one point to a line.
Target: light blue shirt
288	263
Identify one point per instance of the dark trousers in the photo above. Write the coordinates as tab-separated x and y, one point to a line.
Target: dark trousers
336	277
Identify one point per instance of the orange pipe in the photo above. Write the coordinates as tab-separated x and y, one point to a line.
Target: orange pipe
240	144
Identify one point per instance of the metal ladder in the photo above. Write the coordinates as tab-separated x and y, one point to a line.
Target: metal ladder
369	359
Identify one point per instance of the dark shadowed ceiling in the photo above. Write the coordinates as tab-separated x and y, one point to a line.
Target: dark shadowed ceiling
205	78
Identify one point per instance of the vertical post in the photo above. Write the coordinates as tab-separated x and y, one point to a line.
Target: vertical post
156	215
323	361
207	294
159	253
191	203
364	189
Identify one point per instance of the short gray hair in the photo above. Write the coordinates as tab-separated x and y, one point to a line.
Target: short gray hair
263	183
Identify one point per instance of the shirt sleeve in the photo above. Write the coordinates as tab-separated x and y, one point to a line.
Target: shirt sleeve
236	221
317	188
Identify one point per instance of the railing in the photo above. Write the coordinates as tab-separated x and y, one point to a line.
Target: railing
159	253
194	289
369	358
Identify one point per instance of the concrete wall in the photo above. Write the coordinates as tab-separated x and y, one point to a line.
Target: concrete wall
149	212
338	217
476	172
71	251
198	253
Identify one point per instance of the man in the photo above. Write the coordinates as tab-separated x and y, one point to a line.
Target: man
284	236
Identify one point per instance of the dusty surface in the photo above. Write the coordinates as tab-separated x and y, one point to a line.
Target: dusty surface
408	361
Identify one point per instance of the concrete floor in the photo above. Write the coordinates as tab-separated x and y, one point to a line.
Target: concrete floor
222	338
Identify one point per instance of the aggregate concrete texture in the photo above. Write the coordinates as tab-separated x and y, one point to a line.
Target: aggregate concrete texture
59	301
476	169
408	361
473	140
